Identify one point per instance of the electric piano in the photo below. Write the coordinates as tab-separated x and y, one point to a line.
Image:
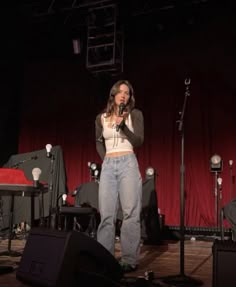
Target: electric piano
14	182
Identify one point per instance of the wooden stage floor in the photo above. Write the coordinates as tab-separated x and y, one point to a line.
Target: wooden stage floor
163	260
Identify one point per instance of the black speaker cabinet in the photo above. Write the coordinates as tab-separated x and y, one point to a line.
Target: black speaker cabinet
57	259
224	263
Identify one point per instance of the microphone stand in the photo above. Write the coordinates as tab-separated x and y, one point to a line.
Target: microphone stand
231	180
181	279
216	197
219	201
17	164
50	188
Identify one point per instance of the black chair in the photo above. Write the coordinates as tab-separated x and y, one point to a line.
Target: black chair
83	216
82	219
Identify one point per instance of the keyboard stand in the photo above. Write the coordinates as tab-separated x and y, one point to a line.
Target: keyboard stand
20	190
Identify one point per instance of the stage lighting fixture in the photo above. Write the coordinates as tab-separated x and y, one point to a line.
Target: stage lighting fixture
93	166
95	170
150	172
219	181
216	163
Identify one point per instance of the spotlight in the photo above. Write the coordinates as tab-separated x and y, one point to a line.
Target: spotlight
95	170
93	166
150	172
96	173
216	163
219	181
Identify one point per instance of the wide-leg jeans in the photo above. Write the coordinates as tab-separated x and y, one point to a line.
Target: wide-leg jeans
121	183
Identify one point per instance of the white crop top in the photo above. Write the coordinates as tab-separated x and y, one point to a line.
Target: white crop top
116	141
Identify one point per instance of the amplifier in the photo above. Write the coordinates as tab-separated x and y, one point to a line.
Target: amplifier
224	263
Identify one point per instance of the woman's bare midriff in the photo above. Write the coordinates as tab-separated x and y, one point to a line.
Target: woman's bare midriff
114	154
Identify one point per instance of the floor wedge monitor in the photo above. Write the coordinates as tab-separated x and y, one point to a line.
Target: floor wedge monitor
56	258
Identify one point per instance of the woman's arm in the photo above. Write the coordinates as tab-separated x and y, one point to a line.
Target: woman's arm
136	138
100	145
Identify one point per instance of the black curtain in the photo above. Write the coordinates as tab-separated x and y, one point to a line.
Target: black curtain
53	174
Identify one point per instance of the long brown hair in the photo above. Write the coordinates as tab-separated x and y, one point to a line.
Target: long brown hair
110	109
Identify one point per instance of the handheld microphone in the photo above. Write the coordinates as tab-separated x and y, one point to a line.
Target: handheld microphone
121	110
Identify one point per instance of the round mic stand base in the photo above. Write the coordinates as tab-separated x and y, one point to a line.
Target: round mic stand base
181	280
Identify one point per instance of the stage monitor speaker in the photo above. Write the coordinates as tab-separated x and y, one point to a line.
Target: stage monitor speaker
56	258
224	262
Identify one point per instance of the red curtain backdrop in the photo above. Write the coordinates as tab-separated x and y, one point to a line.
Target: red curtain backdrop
61	100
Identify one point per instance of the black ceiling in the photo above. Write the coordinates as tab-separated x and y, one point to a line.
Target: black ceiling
48	26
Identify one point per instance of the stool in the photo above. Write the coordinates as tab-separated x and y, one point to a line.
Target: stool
78	211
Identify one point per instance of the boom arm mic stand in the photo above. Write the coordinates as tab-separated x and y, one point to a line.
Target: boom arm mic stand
181	279
19	163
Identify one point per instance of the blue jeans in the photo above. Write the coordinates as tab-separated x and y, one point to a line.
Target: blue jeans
121	181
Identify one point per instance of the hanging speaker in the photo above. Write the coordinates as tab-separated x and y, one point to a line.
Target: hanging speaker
56	258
